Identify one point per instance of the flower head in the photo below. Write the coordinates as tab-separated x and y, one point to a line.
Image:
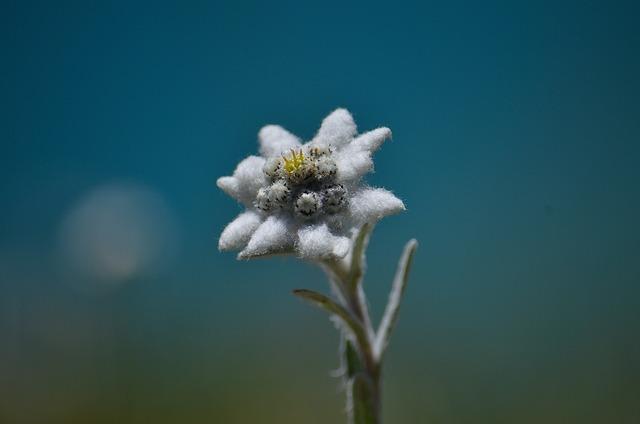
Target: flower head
306	199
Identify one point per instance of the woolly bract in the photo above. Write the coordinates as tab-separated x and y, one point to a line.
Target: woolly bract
306	199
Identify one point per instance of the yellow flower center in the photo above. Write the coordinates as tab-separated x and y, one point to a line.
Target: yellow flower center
294	161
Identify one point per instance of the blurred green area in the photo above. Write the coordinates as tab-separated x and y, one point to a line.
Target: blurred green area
156	351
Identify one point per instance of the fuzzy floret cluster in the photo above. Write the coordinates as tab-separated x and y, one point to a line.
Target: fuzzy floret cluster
302	182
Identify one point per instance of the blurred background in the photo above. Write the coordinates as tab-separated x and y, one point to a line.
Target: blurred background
516	150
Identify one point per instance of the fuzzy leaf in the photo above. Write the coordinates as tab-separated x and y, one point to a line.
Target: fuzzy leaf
358	255
351	322
393	305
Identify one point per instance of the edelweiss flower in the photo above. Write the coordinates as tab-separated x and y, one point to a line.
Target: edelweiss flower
306	199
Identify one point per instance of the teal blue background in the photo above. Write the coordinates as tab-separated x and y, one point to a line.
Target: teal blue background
516	150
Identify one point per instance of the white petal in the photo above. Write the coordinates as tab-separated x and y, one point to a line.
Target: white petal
316	241
274	140
230	186
273	236
236	235
354	160
352	163
249	171
372	204
372	140
246	180
337	129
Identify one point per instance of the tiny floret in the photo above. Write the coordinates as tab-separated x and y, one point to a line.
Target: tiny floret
294	161
263	202
326	168
279	193
307	199
273	168
333	198
308	204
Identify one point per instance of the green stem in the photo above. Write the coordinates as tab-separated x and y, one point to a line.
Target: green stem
363	347
363	381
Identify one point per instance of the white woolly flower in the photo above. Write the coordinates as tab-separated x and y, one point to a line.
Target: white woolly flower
306	199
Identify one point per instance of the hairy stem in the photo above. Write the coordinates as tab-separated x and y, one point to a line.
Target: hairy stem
363	381
362	347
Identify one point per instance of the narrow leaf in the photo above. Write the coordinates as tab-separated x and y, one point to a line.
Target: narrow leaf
351	323
357	255
395	296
